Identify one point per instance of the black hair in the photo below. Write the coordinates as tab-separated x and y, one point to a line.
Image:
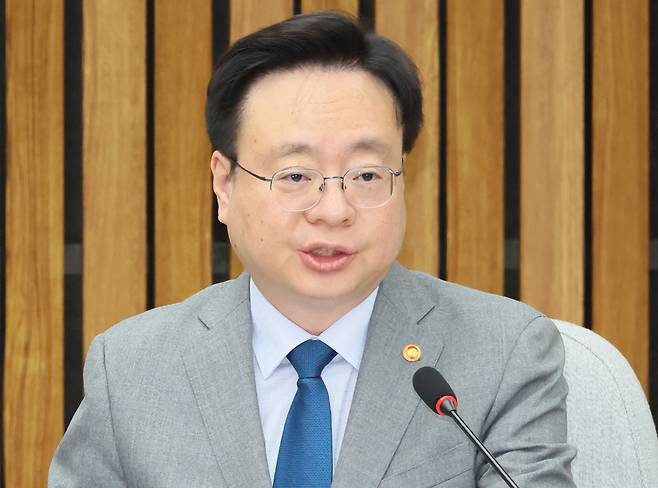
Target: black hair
324	39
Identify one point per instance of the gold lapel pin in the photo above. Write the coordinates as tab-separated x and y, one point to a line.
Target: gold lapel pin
411	352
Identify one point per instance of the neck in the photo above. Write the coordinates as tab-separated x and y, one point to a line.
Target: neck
315	320
314	315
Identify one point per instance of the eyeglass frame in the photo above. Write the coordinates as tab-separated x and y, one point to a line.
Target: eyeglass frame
270	180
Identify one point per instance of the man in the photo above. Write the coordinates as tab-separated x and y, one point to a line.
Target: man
298	373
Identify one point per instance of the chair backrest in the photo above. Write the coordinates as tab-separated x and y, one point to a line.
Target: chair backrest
609	420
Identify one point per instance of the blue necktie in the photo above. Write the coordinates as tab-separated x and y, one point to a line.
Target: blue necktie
305	454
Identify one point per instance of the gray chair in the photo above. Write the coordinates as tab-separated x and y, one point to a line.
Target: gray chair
609	420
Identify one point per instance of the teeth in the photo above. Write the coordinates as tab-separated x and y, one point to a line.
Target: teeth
325	252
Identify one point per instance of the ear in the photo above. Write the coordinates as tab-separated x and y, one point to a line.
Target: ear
221	183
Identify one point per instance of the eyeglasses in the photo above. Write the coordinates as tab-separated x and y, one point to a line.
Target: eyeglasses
298	189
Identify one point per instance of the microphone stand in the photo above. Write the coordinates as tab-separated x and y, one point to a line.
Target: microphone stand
492	460
435	391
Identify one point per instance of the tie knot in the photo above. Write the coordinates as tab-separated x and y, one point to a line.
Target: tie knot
310	358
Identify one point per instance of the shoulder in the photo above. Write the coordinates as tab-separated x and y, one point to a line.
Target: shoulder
170	326
465	314
458	301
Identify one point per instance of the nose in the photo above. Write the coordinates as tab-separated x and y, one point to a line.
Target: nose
333	207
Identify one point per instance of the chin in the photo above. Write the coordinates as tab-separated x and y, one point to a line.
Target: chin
335	286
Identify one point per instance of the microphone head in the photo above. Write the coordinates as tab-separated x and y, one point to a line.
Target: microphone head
434	390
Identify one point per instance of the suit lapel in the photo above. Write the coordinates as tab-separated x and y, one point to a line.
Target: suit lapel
219	365
384	399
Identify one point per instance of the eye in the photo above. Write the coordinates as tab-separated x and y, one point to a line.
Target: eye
295	177
367	176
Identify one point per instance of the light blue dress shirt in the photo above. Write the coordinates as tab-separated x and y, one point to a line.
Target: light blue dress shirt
274	336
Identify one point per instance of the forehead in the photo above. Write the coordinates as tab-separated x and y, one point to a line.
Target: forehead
319	109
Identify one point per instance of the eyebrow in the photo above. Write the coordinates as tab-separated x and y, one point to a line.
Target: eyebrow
291	148
367	144
371	144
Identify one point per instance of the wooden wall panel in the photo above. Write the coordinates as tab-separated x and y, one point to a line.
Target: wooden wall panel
416	30
620	177
475	136
183	195
552	157
114	162
349	6
248	16
33	397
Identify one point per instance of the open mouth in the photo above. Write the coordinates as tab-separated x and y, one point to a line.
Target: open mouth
325	259
323	251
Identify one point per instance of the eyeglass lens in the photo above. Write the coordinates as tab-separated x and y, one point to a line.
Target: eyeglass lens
298	189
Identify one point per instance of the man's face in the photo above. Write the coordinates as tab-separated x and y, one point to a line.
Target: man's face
330	120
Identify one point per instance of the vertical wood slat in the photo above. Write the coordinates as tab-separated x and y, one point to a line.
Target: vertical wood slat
349	6
620	176
114	163
552	157
33	401
416	31
475	135
248	16
183	196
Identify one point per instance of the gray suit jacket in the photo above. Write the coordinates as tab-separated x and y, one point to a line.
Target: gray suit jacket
170	399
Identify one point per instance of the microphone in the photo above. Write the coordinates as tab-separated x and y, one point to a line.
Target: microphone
435	391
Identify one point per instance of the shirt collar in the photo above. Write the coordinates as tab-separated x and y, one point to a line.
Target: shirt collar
274	335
